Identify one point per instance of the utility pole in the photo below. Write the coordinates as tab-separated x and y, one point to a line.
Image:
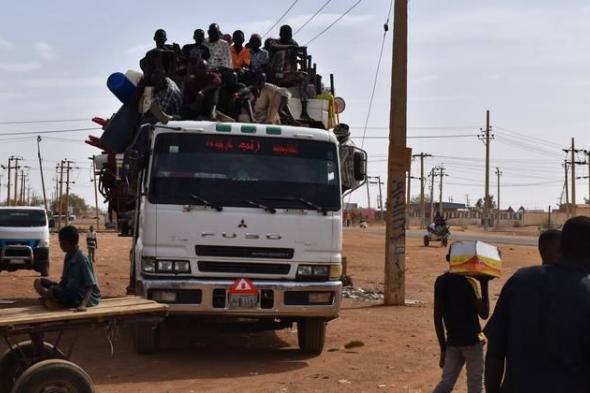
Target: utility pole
549	218
16	168
422	179
1	176
567	197
573	163
21	195
68	169
380	200
368	196
486	200
432	174
498	174
408	195
41	169
398	162
440	195
60	194
8	184
96	191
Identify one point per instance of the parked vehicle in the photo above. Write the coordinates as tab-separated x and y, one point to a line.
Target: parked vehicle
24	239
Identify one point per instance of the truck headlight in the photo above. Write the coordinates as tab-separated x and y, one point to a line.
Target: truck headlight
313	272
148	265
165	266
44	243
335	271
182	267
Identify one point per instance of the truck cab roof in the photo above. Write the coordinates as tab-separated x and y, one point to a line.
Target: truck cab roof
253	129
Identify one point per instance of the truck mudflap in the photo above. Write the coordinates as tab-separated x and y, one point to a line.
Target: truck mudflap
272	299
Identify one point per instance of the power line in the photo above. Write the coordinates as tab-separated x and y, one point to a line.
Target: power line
333	23
49	131
385	30
418	136
312	17
41	121
281	18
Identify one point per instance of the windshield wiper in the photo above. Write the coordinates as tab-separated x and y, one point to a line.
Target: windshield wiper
269	209
304	201
206	202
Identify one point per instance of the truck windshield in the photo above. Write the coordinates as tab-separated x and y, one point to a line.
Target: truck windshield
22	218
233	170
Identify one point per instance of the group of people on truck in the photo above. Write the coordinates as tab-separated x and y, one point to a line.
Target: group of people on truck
219	77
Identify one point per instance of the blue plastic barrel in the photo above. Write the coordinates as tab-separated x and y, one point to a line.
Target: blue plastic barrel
121	87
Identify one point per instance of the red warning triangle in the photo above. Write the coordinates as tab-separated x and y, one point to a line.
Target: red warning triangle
243	286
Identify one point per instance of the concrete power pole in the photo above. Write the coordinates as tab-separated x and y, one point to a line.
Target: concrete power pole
573	178
432	174
68	169
567	197
8	185
368	196
96	192
408	194
486	199
60	194
41	169
16	168
440	195
422	179
498	174
398	162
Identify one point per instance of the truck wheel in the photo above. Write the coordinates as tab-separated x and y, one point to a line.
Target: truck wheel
15	361
43	268
426	240
54	375
311	334
146	339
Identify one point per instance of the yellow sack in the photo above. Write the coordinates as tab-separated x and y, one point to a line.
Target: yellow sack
474	258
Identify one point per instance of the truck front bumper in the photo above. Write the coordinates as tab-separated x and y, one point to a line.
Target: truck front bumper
276	299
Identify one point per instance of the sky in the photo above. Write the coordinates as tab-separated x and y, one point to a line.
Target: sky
525	61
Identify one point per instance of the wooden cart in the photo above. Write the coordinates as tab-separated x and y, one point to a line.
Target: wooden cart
38	366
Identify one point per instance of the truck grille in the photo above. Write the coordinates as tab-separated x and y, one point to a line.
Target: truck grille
17	252
244	252
243	267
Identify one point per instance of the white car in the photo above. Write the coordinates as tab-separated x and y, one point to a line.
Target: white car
24	239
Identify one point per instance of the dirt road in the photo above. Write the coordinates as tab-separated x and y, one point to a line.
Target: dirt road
399	352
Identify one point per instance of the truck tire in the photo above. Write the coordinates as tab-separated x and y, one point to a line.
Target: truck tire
146	339
311	334
426	240
54	375
15	361
43	268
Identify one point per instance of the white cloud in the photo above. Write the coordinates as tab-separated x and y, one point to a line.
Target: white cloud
423	79
19	67
7	96
4	44
140	48
45	51
65	83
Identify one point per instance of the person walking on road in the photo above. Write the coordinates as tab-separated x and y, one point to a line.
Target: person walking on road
458	305
91	243
538	334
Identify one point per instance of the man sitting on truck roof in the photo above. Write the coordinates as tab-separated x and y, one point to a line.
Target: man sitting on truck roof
240	56
258	56
270	101
78	287
220	54
198	49
163	56
167	98
201	89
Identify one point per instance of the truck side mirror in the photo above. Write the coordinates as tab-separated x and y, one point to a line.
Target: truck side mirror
360	165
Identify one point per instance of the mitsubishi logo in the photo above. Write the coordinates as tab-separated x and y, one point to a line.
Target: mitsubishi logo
242	224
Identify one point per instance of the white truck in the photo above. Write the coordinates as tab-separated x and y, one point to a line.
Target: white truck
241	221
24	239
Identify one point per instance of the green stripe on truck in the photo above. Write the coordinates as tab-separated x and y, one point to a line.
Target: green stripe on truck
248	129
220	127
273	130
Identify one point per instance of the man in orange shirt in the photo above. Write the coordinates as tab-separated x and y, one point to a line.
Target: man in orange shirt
240	56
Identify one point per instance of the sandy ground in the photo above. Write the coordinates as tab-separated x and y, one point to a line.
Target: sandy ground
400	353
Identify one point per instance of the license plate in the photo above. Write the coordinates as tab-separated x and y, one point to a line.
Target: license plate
237	301
16	261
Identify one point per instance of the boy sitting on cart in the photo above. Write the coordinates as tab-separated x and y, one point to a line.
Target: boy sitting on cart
78	287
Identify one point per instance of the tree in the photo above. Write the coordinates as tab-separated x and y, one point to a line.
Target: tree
416	199
77	204
479	203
